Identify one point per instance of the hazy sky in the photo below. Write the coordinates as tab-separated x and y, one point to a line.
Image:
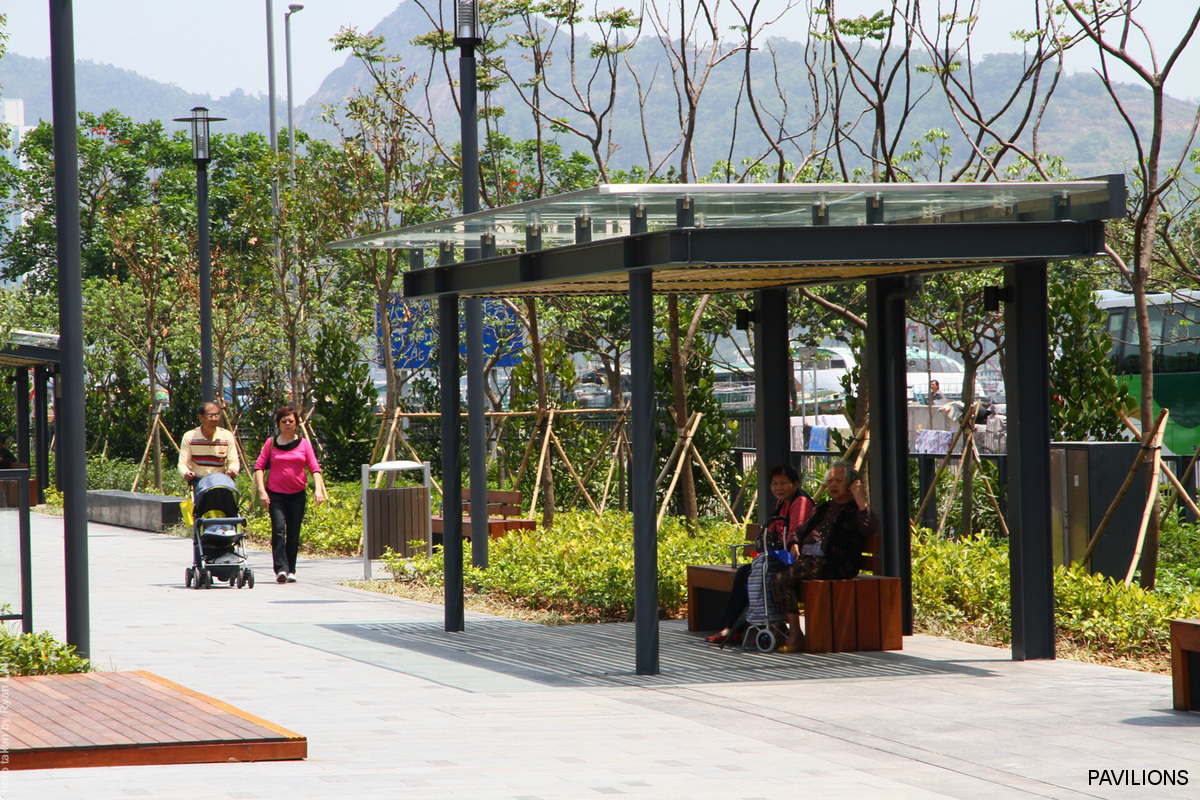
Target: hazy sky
217	46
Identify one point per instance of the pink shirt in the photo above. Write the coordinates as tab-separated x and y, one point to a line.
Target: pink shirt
286	473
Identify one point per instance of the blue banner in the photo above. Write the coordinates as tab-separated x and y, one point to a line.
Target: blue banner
415	336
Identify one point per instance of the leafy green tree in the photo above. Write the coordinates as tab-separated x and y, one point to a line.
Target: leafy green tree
344	398
1085	394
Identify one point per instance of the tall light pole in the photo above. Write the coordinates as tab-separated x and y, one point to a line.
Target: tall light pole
467	38
200	157
287	48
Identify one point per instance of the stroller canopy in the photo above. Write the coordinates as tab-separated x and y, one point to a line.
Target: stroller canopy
215	492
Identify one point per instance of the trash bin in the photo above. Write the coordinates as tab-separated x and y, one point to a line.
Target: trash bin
397	516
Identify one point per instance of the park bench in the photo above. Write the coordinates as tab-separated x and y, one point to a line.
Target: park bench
1185	663
861	613
504	515
147	512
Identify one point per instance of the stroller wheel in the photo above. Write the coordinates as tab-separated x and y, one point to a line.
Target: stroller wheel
187	578
249	579
765	640
205	579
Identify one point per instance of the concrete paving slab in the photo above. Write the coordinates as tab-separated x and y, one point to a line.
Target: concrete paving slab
394	707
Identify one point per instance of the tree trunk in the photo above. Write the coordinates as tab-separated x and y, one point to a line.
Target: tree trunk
687	481
1149	560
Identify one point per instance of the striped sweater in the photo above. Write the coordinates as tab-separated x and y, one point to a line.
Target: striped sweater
203	456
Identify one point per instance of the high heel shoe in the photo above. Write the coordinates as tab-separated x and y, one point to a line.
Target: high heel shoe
720	638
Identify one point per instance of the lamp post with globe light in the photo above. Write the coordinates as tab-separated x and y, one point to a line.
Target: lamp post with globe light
199	121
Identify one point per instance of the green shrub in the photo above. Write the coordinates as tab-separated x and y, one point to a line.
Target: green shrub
962	587
583	568
37	654
333	528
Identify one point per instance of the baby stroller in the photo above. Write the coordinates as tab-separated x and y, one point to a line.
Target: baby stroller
763	615
218	546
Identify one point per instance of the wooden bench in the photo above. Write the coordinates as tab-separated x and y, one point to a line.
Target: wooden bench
1185	663
861	613
504	515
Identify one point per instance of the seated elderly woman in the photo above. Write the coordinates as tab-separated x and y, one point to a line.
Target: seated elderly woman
793	507
828	547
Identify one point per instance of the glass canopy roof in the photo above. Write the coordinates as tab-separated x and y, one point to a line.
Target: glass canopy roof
607	208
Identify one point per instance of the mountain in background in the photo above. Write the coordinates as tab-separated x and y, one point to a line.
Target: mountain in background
1081	125
101	87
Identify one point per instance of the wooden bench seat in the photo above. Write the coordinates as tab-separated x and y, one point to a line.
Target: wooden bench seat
1185	663
504	515
861	613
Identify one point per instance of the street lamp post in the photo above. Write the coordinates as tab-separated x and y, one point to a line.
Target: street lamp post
467	38
200	157
287	47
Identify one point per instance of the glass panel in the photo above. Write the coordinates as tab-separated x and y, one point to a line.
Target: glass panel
1116	324
607	207
1180	349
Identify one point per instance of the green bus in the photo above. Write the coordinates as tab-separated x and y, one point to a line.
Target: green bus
1175	332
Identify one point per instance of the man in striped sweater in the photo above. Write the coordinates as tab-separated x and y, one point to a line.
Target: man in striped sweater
209	448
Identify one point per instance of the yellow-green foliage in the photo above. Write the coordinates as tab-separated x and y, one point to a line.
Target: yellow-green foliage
37	654
583	567
965	585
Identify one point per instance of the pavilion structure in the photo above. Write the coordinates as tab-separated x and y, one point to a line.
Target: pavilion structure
638	240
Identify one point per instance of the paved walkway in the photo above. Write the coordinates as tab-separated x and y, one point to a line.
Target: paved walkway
395	708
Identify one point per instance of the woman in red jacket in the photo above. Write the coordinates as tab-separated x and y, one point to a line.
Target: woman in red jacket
286	458
793	507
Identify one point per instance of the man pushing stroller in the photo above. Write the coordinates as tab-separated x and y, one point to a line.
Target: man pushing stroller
209	448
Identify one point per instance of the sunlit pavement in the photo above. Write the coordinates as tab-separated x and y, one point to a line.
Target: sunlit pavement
394	707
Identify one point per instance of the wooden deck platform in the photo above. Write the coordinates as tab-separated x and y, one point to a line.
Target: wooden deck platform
104	719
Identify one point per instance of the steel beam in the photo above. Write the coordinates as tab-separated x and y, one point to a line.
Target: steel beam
862	252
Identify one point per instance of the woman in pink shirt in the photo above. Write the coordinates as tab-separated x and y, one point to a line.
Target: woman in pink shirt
285	458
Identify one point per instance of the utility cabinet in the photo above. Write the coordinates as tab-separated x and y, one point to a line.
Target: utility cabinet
1084	479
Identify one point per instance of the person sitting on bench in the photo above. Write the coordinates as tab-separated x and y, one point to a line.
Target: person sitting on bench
828	547
793	507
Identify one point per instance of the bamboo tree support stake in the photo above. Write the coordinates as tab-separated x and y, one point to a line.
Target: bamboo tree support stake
1180	492
682	449
537	427
237	443
1133	470
545	451
949	500
716	489
620	450
991	492
937	475
1151	497
749	479
146	453
386	441
1186	474
679	440
600	451
571	469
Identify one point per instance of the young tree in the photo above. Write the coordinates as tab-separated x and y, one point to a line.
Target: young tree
1125	49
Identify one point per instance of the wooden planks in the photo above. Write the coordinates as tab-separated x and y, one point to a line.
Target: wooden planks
126	718
397	517
1185	664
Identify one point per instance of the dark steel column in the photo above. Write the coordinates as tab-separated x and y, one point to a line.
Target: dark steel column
21	383
473	311
888	391
451	454
772	420
72	448
41	431
645	525
1027	386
